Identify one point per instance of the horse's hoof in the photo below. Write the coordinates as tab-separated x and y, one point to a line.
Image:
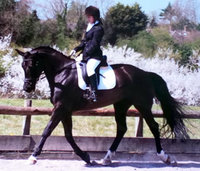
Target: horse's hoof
167	159
174	163
32	160
171	161
93	163
106	162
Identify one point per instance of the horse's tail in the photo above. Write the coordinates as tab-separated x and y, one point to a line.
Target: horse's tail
172	110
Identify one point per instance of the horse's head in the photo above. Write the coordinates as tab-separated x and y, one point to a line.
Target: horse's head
32	69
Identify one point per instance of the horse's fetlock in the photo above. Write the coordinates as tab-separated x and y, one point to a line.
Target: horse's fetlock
32	160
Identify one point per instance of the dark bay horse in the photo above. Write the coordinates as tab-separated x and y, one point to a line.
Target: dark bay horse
134	87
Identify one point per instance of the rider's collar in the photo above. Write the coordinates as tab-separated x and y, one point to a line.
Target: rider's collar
91	25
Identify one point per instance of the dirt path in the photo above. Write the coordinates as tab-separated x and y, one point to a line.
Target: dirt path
73	165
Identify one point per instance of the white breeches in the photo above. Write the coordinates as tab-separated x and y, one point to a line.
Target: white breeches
91	66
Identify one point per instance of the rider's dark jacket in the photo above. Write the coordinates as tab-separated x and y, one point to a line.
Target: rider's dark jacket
90	45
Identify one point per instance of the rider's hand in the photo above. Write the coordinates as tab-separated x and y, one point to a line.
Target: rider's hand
72	53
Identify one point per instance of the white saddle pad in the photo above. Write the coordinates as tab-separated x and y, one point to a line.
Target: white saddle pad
107	78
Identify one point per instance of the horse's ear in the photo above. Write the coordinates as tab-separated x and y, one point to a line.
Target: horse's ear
20	52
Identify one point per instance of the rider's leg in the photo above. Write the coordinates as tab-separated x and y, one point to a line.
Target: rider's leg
91	66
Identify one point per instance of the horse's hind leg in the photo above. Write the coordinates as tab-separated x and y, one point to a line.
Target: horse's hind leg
55	119
154	127
121	109
67	124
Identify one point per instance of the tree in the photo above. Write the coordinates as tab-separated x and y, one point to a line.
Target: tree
76	19
184	23
45	33
56	7
7	10
168	14
27	29
152	22
7	5
182	13
123	22
186	9
198	27
80	26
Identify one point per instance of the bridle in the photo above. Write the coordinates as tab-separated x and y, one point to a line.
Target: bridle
68	66
28	80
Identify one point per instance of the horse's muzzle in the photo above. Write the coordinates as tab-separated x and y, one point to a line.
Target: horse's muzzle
29	85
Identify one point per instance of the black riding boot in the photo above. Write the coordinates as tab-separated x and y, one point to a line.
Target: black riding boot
93	86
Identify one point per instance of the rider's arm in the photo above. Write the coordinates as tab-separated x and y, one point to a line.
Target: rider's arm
81	46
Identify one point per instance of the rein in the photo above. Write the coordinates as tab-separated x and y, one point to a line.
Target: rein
66	67
44	76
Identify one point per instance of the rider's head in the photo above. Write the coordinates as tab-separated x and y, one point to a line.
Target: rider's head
92	12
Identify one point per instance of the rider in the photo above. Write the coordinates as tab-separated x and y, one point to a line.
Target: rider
90	46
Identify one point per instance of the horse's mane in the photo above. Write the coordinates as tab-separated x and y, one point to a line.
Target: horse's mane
47	49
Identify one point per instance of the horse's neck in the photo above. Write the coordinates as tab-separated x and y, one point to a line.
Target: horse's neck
53	65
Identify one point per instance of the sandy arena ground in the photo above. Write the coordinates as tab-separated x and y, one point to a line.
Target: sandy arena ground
74	165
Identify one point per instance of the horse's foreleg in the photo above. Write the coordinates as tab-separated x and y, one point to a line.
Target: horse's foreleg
55	119
120	118
67	124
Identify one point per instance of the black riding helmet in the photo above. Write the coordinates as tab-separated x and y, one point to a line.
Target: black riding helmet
93	11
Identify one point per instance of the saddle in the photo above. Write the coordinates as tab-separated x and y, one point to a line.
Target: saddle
106	78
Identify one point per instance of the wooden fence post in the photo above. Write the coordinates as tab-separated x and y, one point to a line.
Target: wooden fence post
27	119
138	127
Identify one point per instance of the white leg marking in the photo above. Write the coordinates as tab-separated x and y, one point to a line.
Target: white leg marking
108	158
32	160
166	158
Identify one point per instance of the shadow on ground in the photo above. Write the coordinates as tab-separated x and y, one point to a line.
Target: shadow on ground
148	165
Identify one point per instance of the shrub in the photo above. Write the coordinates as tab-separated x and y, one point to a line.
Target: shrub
185	52
162	37
148	43
196	44
2	69
186	56
143	43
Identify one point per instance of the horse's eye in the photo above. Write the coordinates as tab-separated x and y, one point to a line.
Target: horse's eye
27	63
